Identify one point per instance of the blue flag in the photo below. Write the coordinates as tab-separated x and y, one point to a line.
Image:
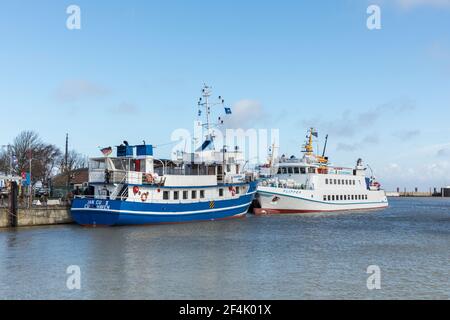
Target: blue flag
228	111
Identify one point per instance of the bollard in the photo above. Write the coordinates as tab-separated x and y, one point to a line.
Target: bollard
13	220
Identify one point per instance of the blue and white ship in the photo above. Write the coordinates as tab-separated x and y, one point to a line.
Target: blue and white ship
134	188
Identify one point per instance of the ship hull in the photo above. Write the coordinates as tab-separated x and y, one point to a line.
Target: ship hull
286	201
98	212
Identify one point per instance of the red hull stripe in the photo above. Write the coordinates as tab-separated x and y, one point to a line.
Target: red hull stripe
261	211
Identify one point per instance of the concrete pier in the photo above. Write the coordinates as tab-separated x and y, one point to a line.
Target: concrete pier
37	216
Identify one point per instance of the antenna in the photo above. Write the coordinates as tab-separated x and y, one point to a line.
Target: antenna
325	146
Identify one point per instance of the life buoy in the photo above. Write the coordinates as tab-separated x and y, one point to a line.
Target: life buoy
144	197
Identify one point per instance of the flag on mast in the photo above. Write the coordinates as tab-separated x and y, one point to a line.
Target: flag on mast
106	151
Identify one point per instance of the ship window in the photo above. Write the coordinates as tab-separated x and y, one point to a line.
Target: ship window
194	194
302	170
176	195
296	170
354	182
345	197
366	196
335	182
329	198
342	197
290	170
283	170
339	181
237	190
279	170
332	198
221	192
311	170
165	195
353	197
346	182
202	194
185	195
326	181
324	198
228	168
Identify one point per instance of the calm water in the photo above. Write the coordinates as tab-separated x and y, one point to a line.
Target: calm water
289	257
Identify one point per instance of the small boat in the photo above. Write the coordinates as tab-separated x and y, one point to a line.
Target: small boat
135	188
312	184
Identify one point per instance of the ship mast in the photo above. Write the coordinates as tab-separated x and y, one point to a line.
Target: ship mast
204	102
309	149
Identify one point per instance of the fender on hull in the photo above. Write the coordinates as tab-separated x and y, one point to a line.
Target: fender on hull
266	211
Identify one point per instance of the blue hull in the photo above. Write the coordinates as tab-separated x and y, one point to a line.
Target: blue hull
96	212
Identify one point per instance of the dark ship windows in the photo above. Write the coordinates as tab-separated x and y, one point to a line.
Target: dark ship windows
202	194
221	192
296	170
185	195
326	181
176	195
194	194
165	195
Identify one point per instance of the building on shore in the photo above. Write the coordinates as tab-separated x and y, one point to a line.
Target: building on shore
445	192
61	184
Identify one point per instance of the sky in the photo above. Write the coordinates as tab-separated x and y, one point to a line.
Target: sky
135	69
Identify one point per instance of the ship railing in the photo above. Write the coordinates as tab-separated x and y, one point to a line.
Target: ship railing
288	186
115	176
203	171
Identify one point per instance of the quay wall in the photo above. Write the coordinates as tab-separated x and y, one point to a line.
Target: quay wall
37	216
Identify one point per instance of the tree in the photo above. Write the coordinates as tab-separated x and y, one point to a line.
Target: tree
44	157
75	161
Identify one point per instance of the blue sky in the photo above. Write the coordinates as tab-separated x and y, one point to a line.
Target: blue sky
135	69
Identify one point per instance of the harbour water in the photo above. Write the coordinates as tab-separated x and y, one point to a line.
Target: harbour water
322	256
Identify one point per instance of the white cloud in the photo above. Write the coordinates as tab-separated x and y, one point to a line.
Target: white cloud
433	174
245	114
125	108
407	134
74	90
352	122
408	4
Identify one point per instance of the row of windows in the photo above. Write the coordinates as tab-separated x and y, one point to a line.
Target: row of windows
295	170
340	181
344	197
175	195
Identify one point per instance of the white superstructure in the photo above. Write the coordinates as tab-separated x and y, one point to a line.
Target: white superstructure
312	184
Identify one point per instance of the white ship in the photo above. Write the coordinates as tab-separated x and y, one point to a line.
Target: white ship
313	184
